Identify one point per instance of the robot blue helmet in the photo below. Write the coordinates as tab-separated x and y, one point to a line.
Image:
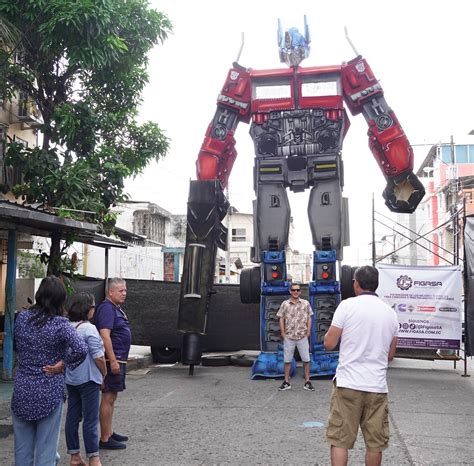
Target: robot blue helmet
294	47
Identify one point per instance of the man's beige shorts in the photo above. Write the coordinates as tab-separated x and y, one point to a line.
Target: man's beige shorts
351	408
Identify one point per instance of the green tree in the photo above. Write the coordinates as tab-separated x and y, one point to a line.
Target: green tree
10	36
83	64
30	265
10	43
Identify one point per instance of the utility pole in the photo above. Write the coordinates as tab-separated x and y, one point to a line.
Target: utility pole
454	204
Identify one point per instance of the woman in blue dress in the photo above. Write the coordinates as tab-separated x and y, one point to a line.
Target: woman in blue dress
44	342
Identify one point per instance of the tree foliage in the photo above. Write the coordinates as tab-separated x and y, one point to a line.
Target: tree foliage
30	265
84	65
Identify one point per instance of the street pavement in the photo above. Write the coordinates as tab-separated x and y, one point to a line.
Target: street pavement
221	416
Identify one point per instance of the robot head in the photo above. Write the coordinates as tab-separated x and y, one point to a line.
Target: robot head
294	47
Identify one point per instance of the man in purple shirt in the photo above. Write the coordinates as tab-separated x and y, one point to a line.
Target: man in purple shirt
114	329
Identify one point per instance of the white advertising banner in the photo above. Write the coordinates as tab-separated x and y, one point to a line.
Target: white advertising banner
427	301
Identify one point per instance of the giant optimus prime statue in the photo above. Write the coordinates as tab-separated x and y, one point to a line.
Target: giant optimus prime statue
298	123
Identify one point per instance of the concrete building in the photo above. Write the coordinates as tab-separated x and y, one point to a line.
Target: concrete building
19	120
154	247
241	240
447	173
155	240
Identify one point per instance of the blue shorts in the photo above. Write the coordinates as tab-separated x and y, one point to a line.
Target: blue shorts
115	382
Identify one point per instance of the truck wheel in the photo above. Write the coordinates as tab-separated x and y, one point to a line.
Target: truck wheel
347	286
250	285
165	355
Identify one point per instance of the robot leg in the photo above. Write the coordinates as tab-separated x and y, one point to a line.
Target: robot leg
207	206
271	227
325	214
328	218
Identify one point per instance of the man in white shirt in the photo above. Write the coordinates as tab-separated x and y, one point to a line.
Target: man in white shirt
367	329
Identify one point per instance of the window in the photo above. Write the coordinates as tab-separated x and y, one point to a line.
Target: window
158	223
320	86
23	104
150	225
452	172
238	235
276	88
440	201
445	154
273	92
461	154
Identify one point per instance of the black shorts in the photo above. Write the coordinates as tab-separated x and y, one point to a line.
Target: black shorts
115	382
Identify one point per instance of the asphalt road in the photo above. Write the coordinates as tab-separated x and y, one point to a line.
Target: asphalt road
220	416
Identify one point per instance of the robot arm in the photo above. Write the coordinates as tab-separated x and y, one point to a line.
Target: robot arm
207	207
218	153
387	141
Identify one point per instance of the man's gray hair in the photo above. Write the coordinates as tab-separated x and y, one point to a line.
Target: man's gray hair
114	282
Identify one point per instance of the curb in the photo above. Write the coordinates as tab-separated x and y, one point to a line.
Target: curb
138	362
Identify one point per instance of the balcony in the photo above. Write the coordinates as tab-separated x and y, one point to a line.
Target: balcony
28	112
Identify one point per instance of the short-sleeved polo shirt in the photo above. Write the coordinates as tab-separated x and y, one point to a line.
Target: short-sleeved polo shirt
110	316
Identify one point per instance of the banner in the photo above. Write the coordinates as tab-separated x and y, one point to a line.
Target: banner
428	304
469	284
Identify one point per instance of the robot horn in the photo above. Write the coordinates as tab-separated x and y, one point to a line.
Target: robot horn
346	32
241	47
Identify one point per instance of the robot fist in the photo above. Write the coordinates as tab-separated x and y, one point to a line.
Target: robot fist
403	193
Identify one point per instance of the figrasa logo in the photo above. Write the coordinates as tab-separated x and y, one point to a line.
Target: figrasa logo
404	282
427	283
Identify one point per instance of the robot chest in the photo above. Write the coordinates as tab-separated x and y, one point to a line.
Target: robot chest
299	114
304	131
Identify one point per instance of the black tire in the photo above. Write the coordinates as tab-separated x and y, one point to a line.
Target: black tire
250	285
215	361
347	286
242	360
165	354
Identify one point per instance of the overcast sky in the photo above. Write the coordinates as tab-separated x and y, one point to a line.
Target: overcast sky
421	52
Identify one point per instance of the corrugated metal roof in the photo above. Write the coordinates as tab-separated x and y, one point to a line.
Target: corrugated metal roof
36	219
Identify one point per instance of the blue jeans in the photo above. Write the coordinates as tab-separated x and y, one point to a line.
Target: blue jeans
36	442
83	403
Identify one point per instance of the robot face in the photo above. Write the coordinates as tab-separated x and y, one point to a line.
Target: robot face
294	47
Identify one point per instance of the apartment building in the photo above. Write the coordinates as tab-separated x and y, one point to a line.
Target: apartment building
241	240
448	174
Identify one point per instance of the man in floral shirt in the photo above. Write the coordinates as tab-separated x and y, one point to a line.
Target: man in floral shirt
295	326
